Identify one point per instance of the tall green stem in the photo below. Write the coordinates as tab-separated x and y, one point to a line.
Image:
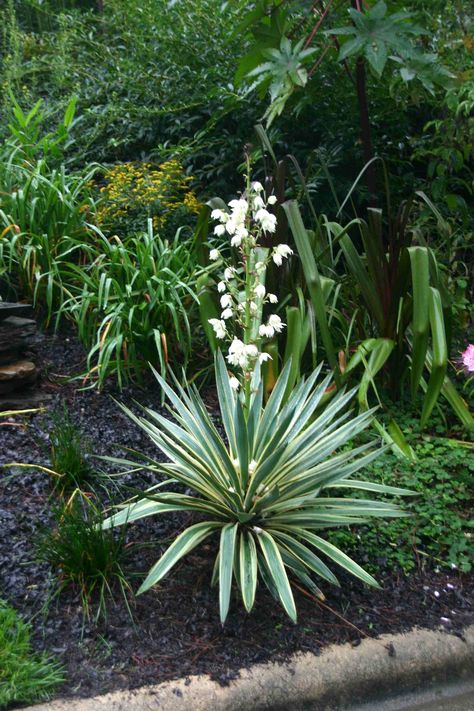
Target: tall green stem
248	299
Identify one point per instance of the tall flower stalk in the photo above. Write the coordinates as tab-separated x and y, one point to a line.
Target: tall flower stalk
242	287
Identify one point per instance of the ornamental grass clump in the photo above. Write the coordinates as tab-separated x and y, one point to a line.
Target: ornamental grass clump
86	557
276	482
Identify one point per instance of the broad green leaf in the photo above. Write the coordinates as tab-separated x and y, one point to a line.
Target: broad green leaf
439	361
458	404
313	281
226	560
339	557
378	358
376	54
420	276
226	401
365	284
242	442
248	569
370	486
185	542
277	572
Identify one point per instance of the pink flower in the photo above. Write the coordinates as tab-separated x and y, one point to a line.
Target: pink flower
468	358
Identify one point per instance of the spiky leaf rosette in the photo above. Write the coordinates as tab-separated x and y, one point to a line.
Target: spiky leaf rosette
269	491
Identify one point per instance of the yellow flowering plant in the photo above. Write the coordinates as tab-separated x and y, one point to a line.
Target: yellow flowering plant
136	191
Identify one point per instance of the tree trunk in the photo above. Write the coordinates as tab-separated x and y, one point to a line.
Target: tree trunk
365	132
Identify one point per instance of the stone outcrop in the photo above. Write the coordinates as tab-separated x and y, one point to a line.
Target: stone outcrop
17	371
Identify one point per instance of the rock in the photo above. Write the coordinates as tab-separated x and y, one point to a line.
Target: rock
17	371
8	309
17	375
15	336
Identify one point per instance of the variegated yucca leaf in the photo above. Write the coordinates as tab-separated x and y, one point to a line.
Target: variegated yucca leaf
269	489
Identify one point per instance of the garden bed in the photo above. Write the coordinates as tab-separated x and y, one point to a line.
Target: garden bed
176	629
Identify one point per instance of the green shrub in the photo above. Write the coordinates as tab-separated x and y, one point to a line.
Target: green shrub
44	208
133	303
25	677
441	529
146	72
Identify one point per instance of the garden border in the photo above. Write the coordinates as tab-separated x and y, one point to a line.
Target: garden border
342	674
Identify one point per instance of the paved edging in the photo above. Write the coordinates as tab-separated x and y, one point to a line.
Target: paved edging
341	676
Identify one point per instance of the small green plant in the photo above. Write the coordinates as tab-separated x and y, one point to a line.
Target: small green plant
441	529
25	677
86	556
69	452
268	490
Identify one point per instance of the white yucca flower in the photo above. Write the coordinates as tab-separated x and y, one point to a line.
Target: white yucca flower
275	322
239	206
220	215
226	300
266	219
266	331
281	252
237	354
231	226
219	327
234	383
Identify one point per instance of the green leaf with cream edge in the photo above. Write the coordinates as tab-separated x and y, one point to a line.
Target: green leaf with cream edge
269	489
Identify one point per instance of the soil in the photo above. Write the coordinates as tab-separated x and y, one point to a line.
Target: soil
176	630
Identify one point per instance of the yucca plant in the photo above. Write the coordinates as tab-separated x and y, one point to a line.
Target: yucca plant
276	481
269	491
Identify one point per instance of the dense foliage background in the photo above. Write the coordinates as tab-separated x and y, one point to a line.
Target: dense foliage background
160	77
125	128
146	108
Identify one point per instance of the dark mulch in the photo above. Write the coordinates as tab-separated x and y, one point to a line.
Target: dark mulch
177	630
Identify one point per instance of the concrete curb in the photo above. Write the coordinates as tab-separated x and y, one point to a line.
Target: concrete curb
340	677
